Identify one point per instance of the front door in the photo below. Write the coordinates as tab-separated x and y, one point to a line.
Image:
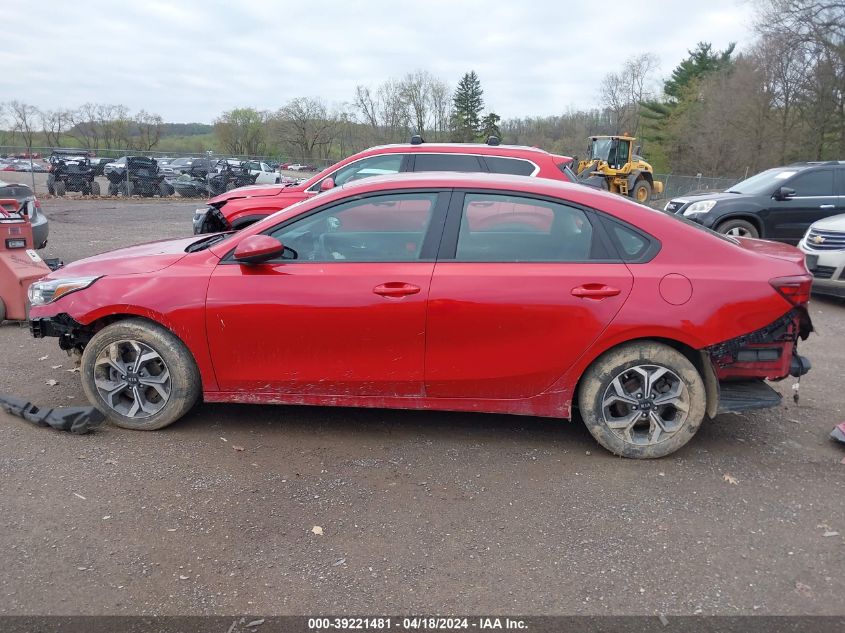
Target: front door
814	199
343	313
517	296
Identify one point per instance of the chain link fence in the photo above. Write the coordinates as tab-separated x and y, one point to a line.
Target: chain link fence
675	185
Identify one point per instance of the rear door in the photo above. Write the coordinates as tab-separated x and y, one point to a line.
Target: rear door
815	198
521	288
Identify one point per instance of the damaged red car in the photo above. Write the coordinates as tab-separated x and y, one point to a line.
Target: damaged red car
464	292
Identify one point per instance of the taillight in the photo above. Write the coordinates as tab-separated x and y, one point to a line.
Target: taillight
795	289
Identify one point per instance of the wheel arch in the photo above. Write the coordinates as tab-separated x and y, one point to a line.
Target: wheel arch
739	215
699	359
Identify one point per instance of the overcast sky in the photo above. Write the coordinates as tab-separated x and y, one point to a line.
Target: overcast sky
191	60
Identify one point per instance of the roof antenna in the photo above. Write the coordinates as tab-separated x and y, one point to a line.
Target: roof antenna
417	139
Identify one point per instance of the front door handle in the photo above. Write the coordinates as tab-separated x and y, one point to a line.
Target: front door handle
595	291
396	289
827	206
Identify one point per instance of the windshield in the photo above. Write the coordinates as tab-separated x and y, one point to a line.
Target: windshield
763	183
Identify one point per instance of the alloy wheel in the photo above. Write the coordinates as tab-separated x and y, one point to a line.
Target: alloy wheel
645	404
132	379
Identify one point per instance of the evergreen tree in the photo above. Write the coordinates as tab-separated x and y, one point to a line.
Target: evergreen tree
467	105
701	61
490	126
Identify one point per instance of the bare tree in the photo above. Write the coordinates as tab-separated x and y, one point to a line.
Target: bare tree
622	92
53	124
84	127
416	91
24	117
149	128
306	124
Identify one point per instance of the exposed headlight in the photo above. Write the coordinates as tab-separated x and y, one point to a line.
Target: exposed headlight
46	291
702	206
201	212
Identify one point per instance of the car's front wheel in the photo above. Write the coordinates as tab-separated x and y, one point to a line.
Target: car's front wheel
738	228
642	400
140	375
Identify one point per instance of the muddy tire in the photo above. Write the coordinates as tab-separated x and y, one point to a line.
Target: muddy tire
2	311
164	189
95	188
60	188
51	187
738	228
113	189
642	400
641	191
141	376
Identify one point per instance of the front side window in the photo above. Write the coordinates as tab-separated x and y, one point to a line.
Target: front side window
503	228
446	162
373	166
388	228
812	183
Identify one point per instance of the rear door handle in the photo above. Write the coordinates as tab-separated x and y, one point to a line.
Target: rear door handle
827	206
396	289
595	291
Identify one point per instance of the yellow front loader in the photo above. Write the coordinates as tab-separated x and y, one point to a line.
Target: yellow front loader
614	165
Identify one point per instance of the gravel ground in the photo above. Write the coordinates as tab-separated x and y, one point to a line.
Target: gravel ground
420	512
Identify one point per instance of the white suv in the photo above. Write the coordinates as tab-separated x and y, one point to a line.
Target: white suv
824	247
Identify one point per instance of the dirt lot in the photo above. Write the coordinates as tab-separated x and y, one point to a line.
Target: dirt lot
421	512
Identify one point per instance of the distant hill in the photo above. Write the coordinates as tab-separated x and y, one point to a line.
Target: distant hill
186	129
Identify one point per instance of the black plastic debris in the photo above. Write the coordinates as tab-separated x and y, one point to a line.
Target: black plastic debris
77	420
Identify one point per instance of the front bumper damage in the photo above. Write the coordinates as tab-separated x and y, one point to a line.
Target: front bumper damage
741	365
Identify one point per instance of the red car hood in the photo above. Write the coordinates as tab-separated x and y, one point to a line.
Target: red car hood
144	258
255	191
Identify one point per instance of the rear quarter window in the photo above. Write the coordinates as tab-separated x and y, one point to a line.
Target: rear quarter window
514	166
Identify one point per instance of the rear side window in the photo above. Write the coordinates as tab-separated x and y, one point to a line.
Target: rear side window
812	183
447	162
515	166
502	228
633	244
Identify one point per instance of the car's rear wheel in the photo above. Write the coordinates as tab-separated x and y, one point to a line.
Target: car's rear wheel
95	188
141	376
738	228
60	188
51	188
642	400
113	189
164	189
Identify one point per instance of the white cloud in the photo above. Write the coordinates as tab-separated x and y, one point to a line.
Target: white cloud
190	60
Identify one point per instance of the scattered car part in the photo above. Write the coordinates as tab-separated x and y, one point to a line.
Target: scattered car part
838	432
20	265
77	420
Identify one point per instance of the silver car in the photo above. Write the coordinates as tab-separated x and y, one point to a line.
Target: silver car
824	248
26	198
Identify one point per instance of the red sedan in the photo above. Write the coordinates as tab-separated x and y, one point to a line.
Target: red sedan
466	292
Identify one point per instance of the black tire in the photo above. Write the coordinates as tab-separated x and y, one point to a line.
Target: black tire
641	191
113	189
183	375
738	228
230	186
51	189
60	188
163	189
625	367
2	311
95	188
